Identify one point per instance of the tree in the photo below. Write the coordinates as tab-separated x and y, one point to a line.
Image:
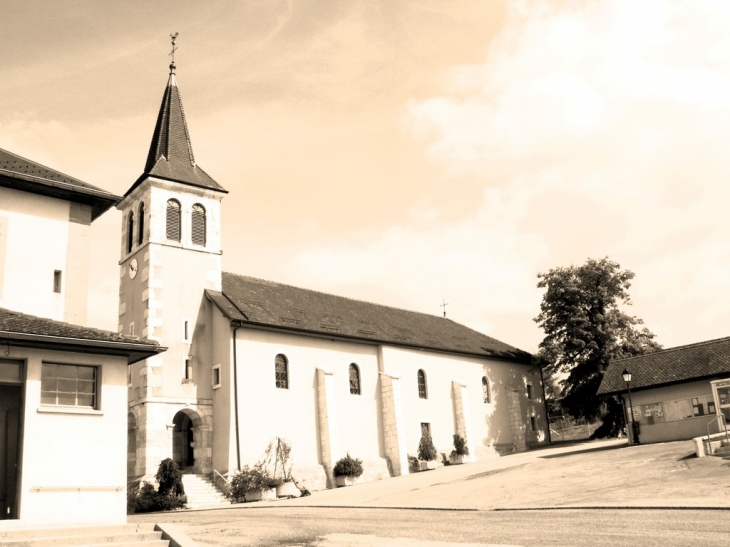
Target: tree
585	329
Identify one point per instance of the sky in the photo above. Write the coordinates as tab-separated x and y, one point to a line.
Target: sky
407	153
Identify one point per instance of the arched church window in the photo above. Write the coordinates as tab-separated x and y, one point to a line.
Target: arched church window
282	372
354	379
140	224
198	223
130	232
172	224
422	389
485	390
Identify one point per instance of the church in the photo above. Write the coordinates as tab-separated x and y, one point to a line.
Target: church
249	360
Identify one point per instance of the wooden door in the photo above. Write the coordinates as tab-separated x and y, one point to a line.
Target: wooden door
9	441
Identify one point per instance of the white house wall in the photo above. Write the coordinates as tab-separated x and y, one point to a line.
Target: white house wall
29	222
73	467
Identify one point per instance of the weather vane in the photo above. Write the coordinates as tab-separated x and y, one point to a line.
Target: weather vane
172	53
444	306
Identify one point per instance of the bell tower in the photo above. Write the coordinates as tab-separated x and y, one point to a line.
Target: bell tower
170	254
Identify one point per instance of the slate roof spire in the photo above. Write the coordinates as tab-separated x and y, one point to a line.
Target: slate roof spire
171	151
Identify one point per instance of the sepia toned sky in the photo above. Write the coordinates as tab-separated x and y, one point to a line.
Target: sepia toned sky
407	152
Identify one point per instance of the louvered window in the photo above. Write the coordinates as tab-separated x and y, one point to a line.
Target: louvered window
354	379
198	224
140	224
485	389
422	389
282	372
130	232
172	228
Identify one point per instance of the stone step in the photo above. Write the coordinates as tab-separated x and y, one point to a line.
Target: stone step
129	535
722	451
201	492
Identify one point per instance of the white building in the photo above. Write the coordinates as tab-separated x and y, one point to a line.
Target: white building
62	386
250	360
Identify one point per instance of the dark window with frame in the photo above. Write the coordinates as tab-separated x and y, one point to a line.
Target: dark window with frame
422	388
697	407
282	372
533	424
529	391
69	385
57	278
198	224
130	232
425	429
140	224
485	390
172	220
354	379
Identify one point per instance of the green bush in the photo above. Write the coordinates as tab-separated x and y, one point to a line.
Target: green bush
426	449
169	495
251	478
460	448
413	465
348	467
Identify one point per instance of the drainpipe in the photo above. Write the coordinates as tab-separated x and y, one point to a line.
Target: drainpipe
235	398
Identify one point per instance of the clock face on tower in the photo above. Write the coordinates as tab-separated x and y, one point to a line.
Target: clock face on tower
133	267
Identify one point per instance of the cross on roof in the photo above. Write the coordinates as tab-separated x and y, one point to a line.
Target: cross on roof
444	306
174	49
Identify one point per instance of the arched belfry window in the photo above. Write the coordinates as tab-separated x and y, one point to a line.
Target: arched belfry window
140	224
422	388
198	224
485	390
172	224
130	232
282	372
354	379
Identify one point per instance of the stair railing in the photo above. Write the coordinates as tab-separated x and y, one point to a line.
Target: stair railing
221	483
720	419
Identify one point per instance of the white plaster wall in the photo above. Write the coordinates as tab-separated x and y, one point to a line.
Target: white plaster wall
81	457
34	223
489	421
674	430
267	412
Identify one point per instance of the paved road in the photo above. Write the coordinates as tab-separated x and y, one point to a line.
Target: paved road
269	526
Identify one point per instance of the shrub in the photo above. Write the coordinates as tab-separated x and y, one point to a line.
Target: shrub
413	465
169	477
145	499
426	449
460	448
251	478
348	467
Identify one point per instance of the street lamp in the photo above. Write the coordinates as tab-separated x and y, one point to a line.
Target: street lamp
634	426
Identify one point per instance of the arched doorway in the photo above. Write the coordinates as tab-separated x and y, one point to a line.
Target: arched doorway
182	441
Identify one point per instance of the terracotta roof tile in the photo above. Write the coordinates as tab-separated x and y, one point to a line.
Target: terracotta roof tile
267	303
669	366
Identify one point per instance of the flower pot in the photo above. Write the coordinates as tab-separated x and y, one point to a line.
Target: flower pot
425	466
288	490
261	495
345	481
456	459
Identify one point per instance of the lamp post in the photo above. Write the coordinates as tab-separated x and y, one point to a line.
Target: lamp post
634	426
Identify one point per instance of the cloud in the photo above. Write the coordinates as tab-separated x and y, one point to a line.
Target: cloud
597	129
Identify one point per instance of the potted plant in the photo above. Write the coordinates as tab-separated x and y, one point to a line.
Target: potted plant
347	470
253	484
460	449
427	453
280	452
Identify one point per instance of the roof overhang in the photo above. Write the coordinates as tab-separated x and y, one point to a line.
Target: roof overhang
133	351
664	384
99	200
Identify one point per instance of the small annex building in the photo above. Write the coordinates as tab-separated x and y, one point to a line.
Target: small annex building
676	393
250	360
63	385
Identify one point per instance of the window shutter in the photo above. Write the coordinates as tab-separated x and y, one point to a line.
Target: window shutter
172	227
198	225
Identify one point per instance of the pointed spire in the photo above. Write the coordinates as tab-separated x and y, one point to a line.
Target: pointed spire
171	151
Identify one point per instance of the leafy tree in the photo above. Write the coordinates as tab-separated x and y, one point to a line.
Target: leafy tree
585	328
